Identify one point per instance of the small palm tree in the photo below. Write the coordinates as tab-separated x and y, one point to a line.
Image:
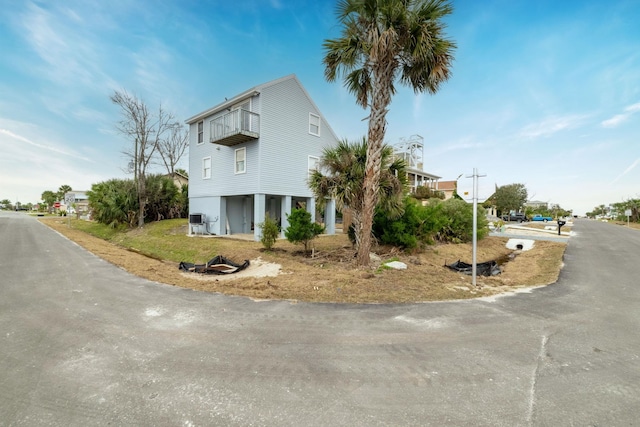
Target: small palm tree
383	41
343	178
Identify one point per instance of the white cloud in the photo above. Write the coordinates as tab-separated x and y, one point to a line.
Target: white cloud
465	145
627	170
551	126
30	165
70	48
615	120
633	108
50	148
621	118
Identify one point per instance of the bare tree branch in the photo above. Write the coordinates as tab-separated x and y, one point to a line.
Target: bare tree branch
173	147
145	130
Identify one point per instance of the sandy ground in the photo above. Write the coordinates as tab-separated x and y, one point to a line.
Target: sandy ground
257	268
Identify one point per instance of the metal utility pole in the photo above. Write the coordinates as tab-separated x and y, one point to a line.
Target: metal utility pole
474	261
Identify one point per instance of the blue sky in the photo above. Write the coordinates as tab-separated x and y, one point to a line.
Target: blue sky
543	93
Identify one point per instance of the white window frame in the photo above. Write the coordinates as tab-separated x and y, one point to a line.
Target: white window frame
236	163
200	129
206	175
313	118
313	163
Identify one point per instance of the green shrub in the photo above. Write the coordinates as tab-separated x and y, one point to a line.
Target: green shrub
459	228
114	202
416	227
183	201
448	221
163	198
301	229
270	232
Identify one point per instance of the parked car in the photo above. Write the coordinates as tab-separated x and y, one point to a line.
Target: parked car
540	217
515	217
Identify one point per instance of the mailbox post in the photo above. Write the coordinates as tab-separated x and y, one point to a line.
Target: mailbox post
560	224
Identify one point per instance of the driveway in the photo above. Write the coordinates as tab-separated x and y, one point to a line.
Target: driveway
84	343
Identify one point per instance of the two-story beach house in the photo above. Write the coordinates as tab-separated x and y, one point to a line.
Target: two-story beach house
251	155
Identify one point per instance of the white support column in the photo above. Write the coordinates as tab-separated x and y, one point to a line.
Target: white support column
330	217
285	209
258	215
311	207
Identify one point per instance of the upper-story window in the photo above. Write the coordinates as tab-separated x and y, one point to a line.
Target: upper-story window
200	132
241	162
206	168
314	124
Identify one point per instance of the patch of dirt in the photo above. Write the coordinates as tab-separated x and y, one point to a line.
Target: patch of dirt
257	268
330	274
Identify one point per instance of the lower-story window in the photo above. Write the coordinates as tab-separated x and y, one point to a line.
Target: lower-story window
206	168
313	163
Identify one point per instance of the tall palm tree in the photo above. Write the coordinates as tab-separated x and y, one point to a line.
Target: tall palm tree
384	41
342	173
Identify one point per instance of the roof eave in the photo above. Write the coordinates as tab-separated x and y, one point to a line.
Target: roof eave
223	106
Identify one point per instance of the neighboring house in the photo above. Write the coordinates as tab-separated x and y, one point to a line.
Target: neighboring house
178	179
252	155
418	177
447	187
410	150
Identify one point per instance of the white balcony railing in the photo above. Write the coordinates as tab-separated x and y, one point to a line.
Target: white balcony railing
235	127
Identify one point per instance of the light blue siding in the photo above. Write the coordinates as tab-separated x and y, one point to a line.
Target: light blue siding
276	163
286	142
211	208
224	181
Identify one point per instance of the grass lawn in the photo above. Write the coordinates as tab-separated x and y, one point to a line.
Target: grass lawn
331	275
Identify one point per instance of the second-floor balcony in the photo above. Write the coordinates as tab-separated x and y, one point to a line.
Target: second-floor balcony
235	127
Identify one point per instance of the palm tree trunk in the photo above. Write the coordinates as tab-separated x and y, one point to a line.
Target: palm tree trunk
381	98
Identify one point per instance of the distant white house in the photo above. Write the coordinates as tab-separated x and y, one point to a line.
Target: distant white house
411	151
252	154
80	202
537	204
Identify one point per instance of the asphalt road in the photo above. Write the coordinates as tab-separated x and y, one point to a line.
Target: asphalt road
84	343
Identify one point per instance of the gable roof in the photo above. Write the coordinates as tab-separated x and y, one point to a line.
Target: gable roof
181	175
252	92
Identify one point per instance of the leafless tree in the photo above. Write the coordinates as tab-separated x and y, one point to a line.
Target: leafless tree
145	130
173	147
